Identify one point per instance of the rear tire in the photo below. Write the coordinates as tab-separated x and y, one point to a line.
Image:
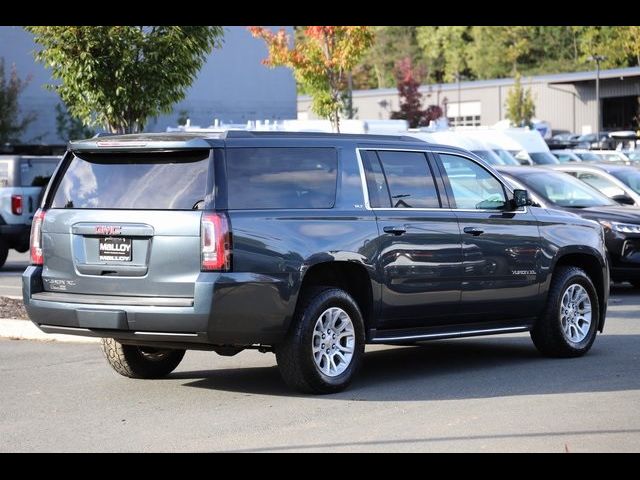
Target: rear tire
140	362
4	252
324	347
568	326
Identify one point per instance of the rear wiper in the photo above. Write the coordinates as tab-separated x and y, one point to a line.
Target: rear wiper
197	206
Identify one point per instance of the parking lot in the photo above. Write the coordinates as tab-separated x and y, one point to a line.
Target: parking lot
483	394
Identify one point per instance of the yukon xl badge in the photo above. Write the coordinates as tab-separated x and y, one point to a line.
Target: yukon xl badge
59	285
523	272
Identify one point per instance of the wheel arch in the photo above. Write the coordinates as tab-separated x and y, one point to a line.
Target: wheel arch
595	266
352	276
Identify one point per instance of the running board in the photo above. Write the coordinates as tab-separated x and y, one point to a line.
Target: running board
407	336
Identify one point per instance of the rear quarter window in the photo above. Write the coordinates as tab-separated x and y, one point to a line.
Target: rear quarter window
288	178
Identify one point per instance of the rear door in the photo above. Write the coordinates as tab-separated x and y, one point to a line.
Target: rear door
126	223
420	256
500	246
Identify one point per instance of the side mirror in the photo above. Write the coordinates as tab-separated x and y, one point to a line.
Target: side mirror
623	199
520	198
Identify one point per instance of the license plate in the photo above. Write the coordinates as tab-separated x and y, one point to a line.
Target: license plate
115	249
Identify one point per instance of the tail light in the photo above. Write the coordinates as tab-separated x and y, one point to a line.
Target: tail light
215	241
16	204
36	238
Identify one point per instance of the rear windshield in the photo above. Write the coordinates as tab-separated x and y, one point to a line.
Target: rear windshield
137	181
36	173
261	178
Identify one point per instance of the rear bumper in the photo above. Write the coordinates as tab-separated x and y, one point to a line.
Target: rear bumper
226	309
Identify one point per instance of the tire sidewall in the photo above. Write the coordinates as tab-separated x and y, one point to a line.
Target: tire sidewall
322	302
582	280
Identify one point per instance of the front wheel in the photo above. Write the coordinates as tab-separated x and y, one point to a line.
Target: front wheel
569	324
325	345
133	361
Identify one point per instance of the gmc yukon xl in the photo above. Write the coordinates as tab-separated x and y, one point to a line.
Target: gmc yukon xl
303	244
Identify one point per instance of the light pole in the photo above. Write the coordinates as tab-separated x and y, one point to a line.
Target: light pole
597	59
458	116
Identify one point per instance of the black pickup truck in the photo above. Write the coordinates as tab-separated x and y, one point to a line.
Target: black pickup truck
304	244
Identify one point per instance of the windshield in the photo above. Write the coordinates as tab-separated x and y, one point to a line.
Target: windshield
629	177
566	157
506	157
489	157
588	157
564	190
611	157
543	158
634	156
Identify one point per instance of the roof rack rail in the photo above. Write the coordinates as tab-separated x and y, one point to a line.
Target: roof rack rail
271	133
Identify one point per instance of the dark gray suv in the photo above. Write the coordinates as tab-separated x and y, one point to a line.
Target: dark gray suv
306	245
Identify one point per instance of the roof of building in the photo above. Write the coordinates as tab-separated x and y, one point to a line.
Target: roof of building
556	78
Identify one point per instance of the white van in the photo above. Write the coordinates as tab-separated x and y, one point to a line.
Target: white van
458	139
527	146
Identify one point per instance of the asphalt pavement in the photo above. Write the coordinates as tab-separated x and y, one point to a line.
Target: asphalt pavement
479	395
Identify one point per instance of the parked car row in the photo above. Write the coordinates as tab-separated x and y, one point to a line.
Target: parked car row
600	185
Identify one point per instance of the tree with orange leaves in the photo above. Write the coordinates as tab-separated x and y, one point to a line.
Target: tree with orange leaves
321	60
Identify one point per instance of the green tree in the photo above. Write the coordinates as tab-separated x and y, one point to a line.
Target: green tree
520	105
69	127
12	123
117	77
445	51
391	44
320	60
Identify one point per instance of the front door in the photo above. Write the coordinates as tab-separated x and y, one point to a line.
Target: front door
500	245
419	259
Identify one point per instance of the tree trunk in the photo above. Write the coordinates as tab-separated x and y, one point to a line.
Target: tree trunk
335	121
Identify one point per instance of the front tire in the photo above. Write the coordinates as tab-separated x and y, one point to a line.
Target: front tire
569	323
324	347
140	362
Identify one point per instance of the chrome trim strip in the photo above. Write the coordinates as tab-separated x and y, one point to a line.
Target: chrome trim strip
451	334
168	334
75	329
92	330
88	299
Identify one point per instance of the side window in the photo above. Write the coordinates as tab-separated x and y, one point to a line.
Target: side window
409	179
473	187
263	178
376	184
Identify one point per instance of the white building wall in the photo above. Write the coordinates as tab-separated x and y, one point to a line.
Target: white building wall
232	86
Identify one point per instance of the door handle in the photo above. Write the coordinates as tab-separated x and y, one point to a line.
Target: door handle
396	230
473	231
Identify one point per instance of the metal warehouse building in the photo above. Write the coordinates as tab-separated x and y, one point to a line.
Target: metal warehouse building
567	101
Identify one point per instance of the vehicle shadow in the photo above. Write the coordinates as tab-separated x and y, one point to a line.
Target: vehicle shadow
457	369
14	267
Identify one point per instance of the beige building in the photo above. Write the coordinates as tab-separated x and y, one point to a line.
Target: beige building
567	100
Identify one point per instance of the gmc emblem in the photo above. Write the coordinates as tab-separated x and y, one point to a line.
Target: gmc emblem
108	230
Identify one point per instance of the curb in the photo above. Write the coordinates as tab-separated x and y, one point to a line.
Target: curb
25	330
